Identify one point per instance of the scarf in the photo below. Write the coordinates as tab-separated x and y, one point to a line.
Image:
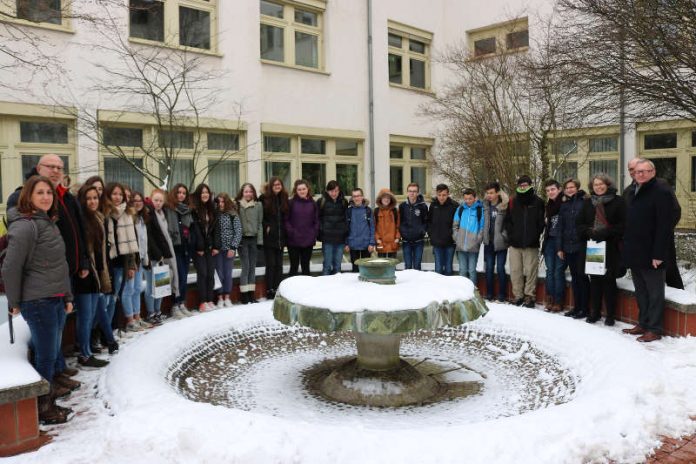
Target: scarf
185	214
246	204
125	233
598	201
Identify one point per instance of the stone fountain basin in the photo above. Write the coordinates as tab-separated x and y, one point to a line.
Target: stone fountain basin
341	303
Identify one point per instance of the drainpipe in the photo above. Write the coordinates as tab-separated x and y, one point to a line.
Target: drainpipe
371	103
622	138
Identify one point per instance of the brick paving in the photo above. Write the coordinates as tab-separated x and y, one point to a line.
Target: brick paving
675	450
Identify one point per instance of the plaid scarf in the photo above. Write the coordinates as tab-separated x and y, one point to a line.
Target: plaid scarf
125	232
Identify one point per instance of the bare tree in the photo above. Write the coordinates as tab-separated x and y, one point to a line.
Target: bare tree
501	113
635	54
173	89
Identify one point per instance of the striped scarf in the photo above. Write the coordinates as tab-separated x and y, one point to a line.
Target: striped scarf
125	232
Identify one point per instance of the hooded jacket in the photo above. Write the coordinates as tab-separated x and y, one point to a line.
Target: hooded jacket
467	226
35	266
500	239
386	220
413	220
440	220
332	219
361	226
524	222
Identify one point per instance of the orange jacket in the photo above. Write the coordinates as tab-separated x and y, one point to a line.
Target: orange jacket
386	224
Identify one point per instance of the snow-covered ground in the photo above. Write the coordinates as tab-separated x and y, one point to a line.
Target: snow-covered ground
627	395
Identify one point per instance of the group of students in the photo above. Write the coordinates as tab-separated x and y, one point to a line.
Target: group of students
94	250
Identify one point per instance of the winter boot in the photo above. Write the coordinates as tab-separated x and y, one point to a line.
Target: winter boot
65	381
244	297
49	413
251	298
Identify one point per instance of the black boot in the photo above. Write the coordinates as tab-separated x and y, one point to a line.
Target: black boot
243	297
251	298
580	315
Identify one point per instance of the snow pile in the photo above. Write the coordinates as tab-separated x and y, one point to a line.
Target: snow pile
628	394
346	293
14	365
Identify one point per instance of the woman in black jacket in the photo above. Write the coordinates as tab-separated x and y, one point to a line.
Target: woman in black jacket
275	208
202	238
602	219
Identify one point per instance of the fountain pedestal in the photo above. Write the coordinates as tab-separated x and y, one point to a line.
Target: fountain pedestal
378	352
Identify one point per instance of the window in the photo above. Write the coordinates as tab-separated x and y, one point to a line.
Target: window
567	170
346	148
660	141
176	139
565	147
223	176
693	173
276	144
43	132
347	177
40	11
604	144
609	167
409	56
223	141
185	23
667	169
485	46
123	137
181	171
409	162
282	170
313	146
315	174
693	138
123	171
509	36
291	34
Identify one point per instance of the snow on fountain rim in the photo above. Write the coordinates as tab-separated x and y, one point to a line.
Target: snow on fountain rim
346	293
627	396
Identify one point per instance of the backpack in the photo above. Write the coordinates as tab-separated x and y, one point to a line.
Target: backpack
349	217
5	242
479	212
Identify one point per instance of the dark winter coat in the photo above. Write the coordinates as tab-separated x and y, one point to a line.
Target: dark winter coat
273	225
173	226
551	211
500	239
524	222
302	222
649	227
157	246
571	207
630	191
202	234
615	211
414	220
98	280
332	219
440	219
361	226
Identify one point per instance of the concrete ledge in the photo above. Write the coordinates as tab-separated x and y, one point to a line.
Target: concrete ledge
32	390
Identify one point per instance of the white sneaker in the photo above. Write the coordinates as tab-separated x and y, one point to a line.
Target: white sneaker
227	303
184	310
211	306
220	303
133	327
177	313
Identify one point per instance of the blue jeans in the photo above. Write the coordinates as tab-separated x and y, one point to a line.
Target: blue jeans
152	304
333	255
86	309
182	267
130	298
45	318
224	267
413	254
103	318
467	264
555	271
495	259
443	259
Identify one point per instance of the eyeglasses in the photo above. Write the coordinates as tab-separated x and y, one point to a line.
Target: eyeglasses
412	191
643	171
53	167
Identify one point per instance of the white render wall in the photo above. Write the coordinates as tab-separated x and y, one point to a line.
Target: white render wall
278	95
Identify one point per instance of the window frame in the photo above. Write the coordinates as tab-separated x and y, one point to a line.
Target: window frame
406	163
171	26
289	27
500	33
407	35
9	14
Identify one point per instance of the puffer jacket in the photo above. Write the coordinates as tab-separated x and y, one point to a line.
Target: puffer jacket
467	226
203	233
524	221
35	266
386	223
332	219
500	239
440	220
361	226
413	220
570	241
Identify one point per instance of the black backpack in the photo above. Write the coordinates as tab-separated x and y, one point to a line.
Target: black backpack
479	212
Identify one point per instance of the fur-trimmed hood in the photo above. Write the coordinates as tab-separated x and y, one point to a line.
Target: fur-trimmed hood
385	192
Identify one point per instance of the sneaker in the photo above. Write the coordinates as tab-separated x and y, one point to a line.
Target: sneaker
517	302
143	324
113	347
609	321
92	362
202	308
153	320
227	303
133	327
220	304
211	306
185	311
177	313
96	348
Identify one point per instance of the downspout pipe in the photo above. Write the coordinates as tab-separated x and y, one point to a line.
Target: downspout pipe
371	103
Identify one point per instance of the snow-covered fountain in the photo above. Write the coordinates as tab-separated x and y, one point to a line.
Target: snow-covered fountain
363	306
